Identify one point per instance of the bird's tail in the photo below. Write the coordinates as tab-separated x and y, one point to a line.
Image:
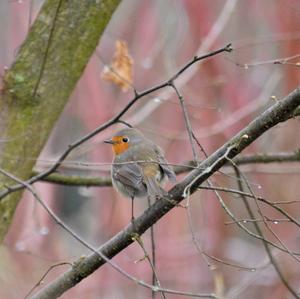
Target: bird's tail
153	188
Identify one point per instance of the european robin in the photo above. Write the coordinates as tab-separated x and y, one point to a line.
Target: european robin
139	166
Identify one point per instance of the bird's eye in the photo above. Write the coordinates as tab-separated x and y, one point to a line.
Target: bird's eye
125	139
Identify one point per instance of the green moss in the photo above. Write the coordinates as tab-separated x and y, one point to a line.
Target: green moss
39	83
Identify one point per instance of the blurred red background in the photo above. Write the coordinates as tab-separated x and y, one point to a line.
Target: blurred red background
222	96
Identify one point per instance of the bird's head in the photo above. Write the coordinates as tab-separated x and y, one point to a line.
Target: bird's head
125	139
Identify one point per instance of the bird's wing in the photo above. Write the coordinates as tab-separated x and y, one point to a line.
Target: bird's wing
166	168
130	175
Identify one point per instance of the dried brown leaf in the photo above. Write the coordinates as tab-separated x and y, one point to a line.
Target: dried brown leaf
120	71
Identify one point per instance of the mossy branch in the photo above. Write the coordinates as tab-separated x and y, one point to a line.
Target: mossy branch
104	181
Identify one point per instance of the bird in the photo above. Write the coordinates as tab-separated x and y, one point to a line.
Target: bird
139	166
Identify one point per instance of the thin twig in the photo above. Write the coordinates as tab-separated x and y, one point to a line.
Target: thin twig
155	280
265	201
44	276
186	121
242	179
245	229
246	220
99	254
76	180
206	44
196	242
260	233
110	122
282	60
279	112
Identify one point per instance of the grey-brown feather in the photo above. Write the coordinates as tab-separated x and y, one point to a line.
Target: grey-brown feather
143	169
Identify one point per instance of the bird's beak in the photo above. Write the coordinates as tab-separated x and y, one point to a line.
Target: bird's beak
110	141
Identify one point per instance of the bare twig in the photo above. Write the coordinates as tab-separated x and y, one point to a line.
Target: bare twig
155	280
40	282
73	180
260	232
279	112
244	111
246	220
100	256
205	46
283	60
112	121
196	241
267	202
187	121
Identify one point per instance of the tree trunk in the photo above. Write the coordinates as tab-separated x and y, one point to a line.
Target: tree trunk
39	83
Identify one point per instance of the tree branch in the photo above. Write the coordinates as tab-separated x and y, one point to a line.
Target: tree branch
279	112
113	120
96	181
